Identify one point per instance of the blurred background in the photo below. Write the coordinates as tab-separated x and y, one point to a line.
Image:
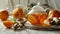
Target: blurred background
11	4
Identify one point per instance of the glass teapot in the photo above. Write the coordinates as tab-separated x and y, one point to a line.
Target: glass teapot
37	16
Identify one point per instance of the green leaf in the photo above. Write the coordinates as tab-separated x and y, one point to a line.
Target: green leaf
14	19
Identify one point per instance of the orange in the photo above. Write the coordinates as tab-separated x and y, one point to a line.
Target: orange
8	24
32	19
18	13
42	17
4	14
54	13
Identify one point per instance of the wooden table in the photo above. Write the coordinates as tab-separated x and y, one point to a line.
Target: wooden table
3	30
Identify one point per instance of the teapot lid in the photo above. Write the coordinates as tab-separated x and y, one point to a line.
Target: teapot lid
36	9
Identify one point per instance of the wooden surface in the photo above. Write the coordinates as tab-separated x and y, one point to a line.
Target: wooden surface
3	30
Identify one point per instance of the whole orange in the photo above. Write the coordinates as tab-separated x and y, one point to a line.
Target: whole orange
4	14
18	13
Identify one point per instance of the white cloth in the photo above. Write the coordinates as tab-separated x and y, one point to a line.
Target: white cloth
54	4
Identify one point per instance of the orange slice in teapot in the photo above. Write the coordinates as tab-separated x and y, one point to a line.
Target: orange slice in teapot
32	19
42	17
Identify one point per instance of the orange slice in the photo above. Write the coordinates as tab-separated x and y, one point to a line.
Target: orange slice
32	19
42	18
8	24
